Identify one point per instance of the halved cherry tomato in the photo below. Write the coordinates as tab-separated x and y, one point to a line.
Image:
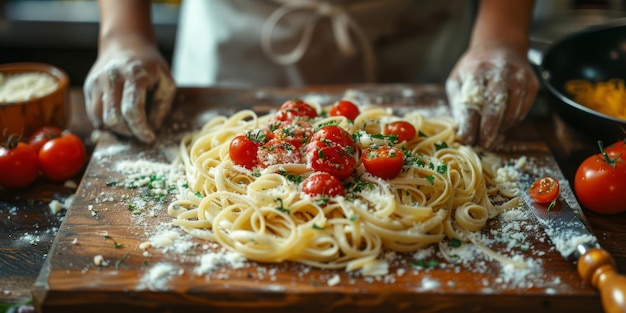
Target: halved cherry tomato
600	182
323	184
544	190
403	129
384	162
43	135
18	165
333	160
278	151
62	157
345	108
294	109
243	151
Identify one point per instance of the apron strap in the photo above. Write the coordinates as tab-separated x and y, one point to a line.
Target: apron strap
342	23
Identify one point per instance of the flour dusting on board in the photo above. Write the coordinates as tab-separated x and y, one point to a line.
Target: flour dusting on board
150	181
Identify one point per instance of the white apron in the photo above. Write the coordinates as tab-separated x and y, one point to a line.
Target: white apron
252	43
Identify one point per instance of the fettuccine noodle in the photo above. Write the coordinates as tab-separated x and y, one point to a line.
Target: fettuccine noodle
443	191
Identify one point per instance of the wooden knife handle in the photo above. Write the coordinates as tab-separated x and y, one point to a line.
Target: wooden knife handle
597	268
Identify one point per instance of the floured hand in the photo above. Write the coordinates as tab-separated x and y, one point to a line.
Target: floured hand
490	90
116	89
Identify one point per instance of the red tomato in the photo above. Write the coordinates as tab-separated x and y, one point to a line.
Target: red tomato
62	157
333	135
617	148
403	129
600	183
243	151
294	109
384	162
278	151
333	160
43	135
297	132
323	184
345	108
18	165
544	190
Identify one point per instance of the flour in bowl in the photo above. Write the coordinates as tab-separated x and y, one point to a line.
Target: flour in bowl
25	86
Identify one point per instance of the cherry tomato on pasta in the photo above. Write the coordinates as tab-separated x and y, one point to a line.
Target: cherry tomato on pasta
18	165
293	109
333	135
278	151
345	108
323	184
600	182
544	190
403	129
43	135
295	131
333	160
62	157
243	151
384	162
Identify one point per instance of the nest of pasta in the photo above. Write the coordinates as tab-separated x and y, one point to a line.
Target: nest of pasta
264	210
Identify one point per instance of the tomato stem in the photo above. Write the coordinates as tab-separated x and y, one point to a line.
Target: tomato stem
606	156
11	140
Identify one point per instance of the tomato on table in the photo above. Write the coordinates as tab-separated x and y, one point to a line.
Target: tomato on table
617	149
18	164
385	162
323	184
62	157
43	135
544	190
403	129
345	108
600	182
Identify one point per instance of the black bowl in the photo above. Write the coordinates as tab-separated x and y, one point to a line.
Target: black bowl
595	54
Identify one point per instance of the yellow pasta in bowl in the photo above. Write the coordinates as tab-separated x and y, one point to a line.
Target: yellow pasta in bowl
606	97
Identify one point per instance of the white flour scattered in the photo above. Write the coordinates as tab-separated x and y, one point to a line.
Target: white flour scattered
158	276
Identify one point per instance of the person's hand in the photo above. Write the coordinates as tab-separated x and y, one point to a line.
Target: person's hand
118	86
490	90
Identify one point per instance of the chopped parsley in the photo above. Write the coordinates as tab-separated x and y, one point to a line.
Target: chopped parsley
281	208
116	245
431	179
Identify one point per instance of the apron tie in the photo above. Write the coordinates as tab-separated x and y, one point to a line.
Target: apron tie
342	23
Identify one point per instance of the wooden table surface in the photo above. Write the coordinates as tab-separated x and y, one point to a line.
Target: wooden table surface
28	227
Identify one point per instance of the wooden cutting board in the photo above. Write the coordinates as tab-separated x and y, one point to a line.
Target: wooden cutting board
105	220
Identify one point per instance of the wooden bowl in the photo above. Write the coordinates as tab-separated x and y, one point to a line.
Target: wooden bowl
21	114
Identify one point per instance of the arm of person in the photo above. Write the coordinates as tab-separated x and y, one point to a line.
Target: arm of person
128	68
124	24
493	86
505	23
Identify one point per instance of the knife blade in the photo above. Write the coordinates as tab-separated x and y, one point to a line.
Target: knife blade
574	241
561	222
